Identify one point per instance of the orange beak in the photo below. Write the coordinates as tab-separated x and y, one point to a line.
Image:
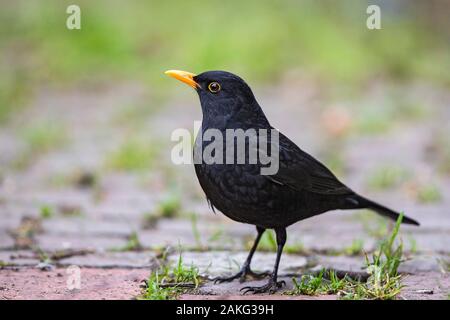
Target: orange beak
184	76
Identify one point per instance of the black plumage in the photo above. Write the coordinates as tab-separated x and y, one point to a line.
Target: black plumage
303	187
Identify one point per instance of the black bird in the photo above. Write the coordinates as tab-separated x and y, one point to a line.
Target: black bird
303	187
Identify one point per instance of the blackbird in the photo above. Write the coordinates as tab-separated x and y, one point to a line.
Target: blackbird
301	188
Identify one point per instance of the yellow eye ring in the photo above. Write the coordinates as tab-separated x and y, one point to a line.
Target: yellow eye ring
214	87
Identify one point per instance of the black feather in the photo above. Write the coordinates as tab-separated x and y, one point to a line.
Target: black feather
302	187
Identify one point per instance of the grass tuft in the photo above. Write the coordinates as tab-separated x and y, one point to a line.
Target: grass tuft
387	177
168	283
133	155
383	283
429	194
133	244
169	207
356	248
46	211
312	285
40	139
45	137
196	232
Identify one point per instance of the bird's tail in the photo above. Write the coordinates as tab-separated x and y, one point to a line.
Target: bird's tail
384	211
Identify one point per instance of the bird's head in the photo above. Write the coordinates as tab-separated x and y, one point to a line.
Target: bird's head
222	94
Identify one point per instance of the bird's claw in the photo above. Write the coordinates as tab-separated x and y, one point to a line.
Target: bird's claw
242	275
271	287
143	283
226	279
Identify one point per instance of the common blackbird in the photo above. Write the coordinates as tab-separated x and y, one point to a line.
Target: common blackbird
301	188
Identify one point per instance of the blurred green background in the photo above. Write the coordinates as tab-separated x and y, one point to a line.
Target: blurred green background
138	40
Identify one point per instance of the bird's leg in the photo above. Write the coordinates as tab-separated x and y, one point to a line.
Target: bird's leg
245	270
273	285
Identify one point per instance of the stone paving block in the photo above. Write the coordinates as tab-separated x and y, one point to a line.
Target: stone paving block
426	286
84	226
175	232
33	198
233	288
434	263
117	212
218	263
432	242
157	238
120	260
6	241
19	258
328	241
48	242
118	206
10	218
96	284
342	263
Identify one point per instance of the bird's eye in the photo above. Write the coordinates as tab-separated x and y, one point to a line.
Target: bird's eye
214	87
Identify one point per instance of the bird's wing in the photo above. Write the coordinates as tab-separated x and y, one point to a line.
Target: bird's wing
300	171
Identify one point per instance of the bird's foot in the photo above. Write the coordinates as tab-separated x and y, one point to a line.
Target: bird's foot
272	286
254	275
243	274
